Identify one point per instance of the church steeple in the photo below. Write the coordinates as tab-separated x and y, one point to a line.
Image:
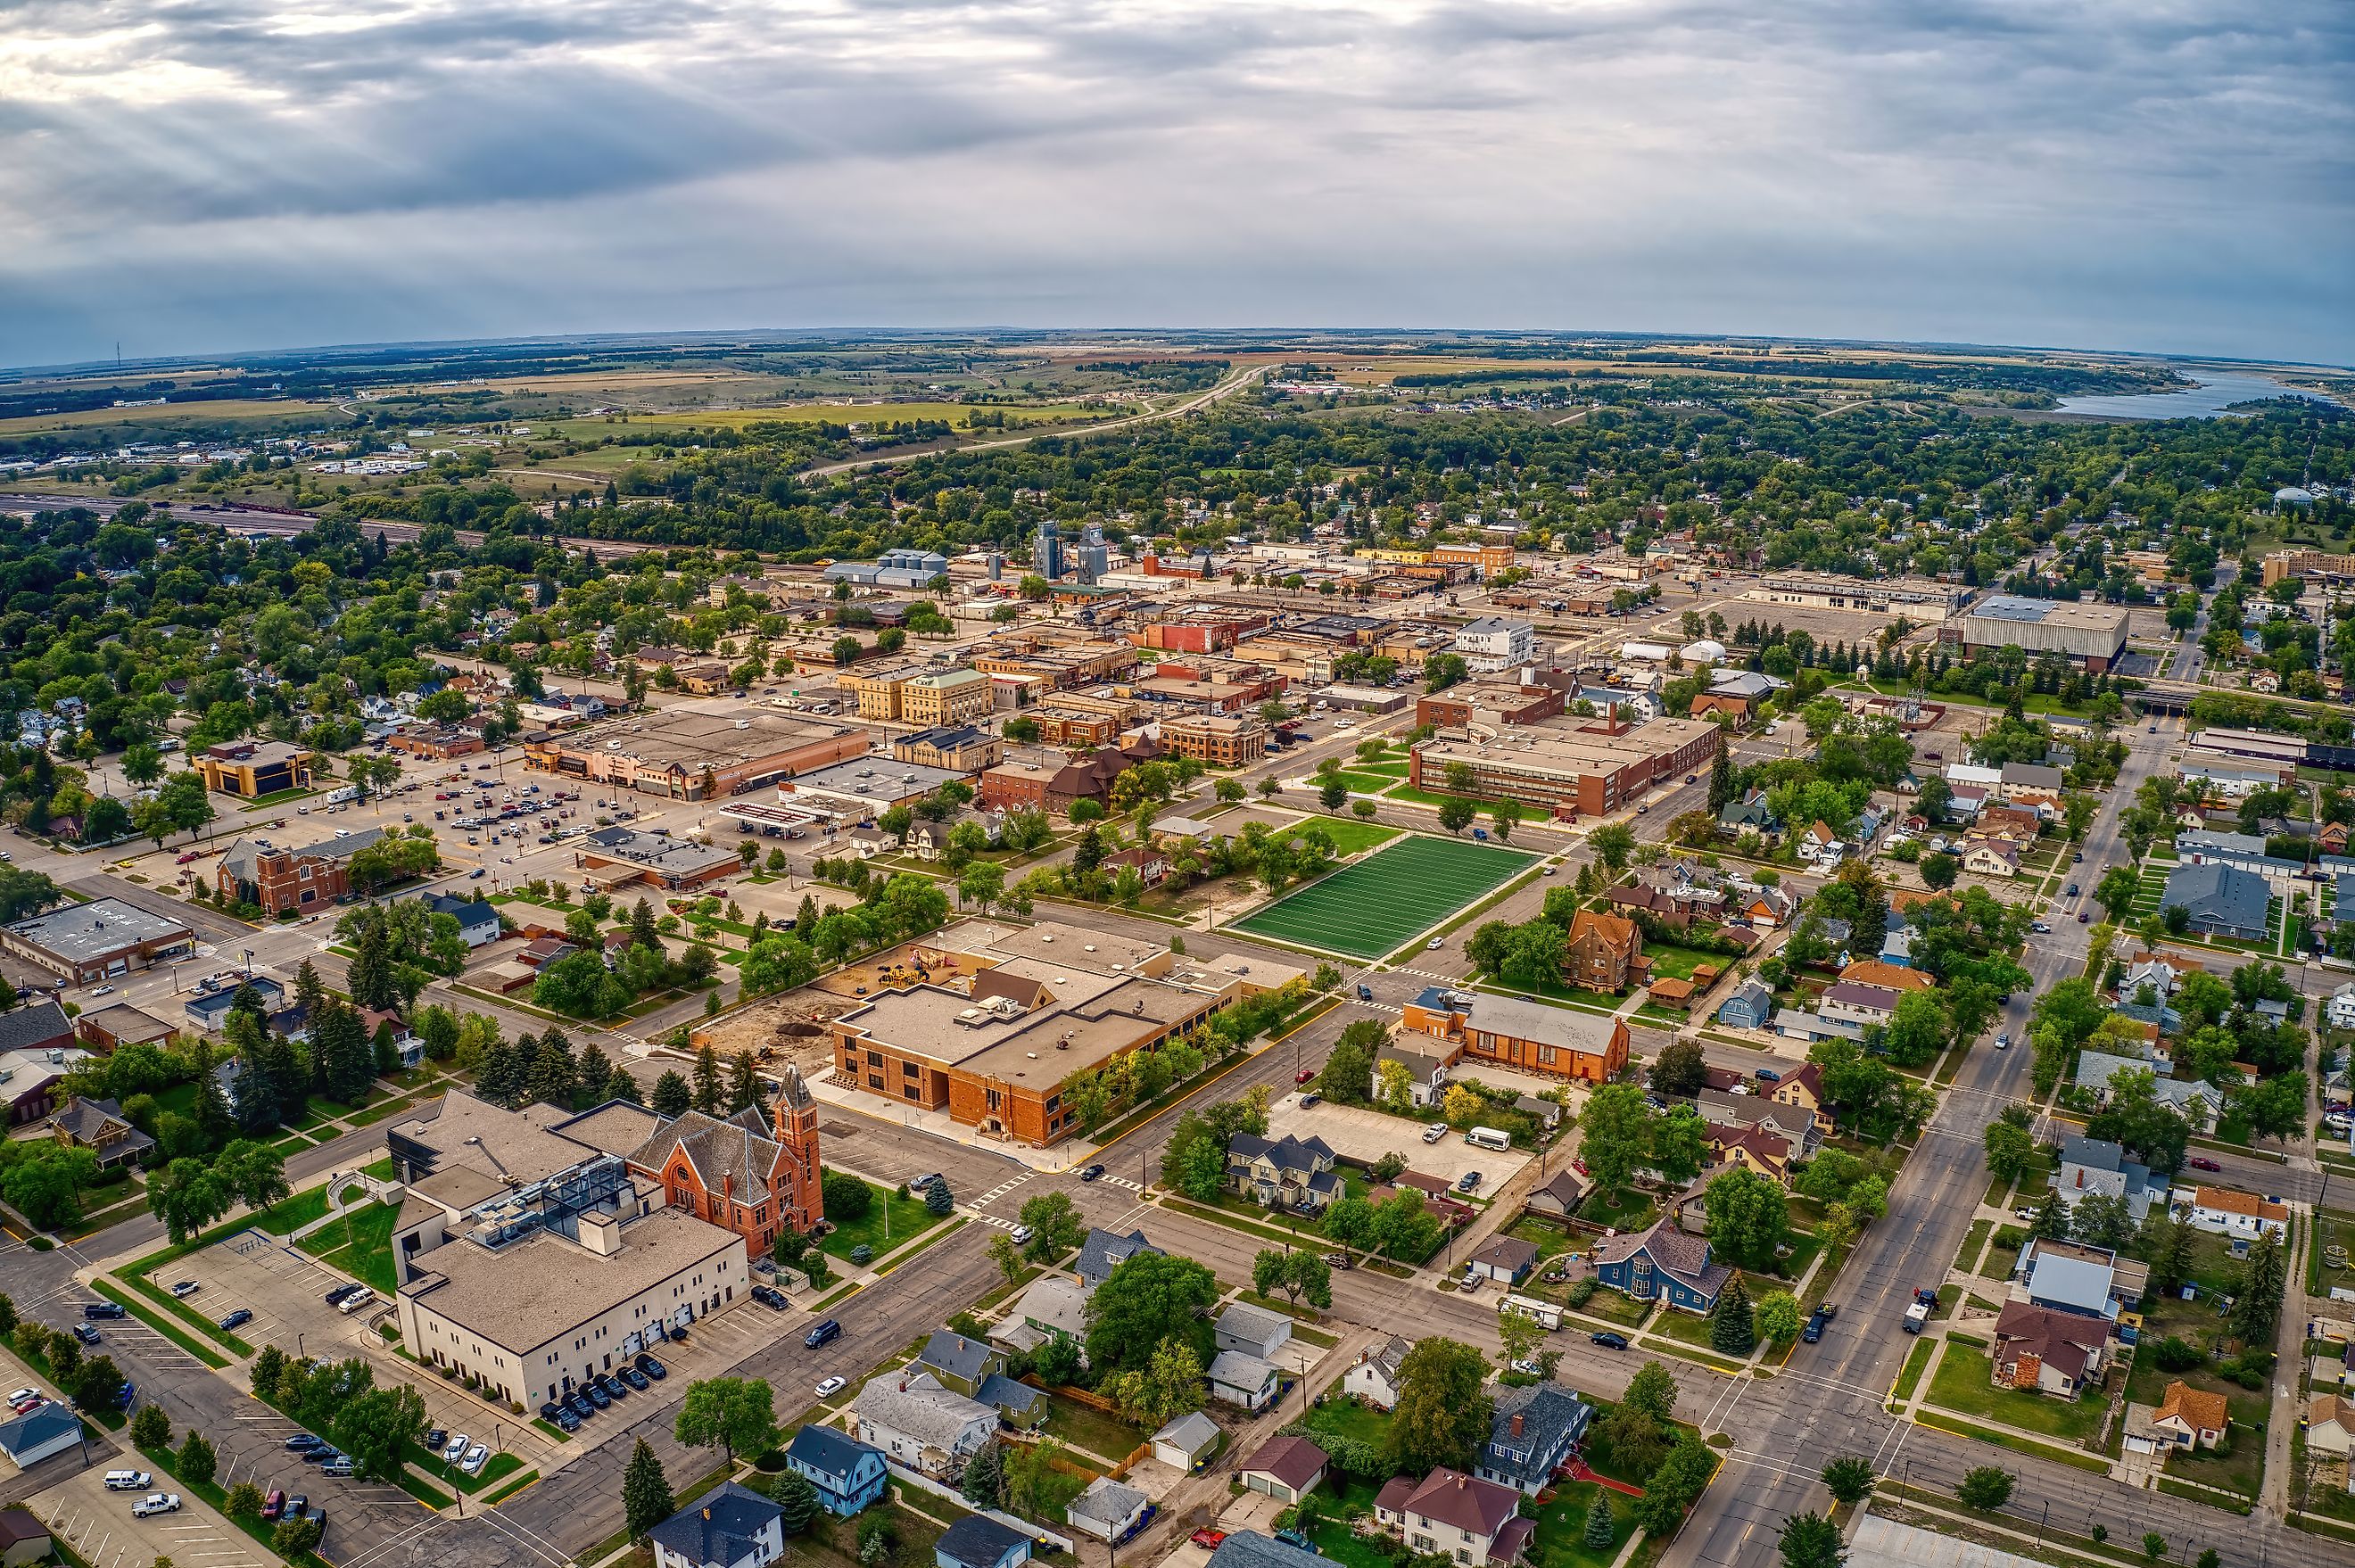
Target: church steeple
796	1120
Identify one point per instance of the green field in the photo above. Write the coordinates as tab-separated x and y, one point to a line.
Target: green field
1370	908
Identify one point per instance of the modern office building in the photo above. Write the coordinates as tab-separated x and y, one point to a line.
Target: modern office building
252	769
2089	635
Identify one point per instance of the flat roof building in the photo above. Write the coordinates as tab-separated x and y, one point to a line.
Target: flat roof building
98	940
252	769
2089	635
698	750
616	857
1571	767
1918	598
868	784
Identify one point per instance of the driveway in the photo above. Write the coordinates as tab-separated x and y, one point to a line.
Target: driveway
1367	1136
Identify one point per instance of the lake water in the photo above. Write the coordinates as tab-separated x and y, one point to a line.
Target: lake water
2217	391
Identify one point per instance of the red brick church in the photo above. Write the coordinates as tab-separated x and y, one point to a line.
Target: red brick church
755	1174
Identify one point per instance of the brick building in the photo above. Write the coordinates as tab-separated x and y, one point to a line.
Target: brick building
753	1175
1573	767
1219	740
277	878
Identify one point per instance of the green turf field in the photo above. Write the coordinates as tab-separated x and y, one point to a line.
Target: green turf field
1370	908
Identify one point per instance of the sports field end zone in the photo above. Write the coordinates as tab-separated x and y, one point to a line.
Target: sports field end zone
1371	908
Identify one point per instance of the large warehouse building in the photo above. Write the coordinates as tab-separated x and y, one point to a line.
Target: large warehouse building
2090	635
1572	768
696	751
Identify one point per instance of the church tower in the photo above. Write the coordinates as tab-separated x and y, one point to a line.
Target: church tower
800	1204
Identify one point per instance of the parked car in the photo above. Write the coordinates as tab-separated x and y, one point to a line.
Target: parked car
1468	1182
1207	1538
1815	1329
614	1387
634	1377
830	1387
830	1329
652	1368
128	1480
1434	1133
455	1446
577	1406
237	1318
341	1464
185	1289
918	1184
1309	1100
1302	1077
1608	1340
1021	1235
336	1296
102	1309
598	1396
2201	1162
433	1440
274	1504
303	1443
474	1460
154	1503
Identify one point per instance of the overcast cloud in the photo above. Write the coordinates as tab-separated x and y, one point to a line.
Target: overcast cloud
185	176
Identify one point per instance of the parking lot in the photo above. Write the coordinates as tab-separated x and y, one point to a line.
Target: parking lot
98	1525
1367	1136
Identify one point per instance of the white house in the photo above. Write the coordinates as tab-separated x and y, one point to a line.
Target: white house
920	1424
1253	1331
2340	1008
733	1527
1244	1380
1375	1377
1494	643
2231	1213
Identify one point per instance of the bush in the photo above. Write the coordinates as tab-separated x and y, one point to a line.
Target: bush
1582	1293
2174	1356
847	1197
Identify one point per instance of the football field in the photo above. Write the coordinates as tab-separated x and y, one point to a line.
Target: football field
1373	907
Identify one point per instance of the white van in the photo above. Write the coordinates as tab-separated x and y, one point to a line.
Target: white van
1488	1137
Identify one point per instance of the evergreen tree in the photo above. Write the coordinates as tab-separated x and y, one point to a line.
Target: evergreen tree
709	1094
807	916
197	1459
309	990
797	1502
370	978
1721	781
938	1200
1602	1530
555	1080
2051	1218
620	1085
1732	1329
643	933
596	1068
645	1492
2258	1305
346	1066
744	1089
984	1476
672	1096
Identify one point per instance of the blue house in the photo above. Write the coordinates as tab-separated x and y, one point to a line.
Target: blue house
1662	1264
1752	1006
975	1541
848	1474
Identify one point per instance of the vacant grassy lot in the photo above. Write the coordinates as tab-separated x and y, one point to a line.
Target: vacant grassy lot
1960	1385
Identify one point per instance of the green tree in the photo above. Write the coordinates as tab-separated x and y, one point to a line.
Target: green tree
2010	1151
1443	1410
1985	1487
734	1415
983	1485
1615	1134
1849	1479
1056	1226
378	1427
672	1097
243	1502
2257	1303
1145	1300
1612	843
1810	1540
647	1498
1778	1315
151	1429
1749	1217
1456	814
197	1460
1602	1530
1733	1327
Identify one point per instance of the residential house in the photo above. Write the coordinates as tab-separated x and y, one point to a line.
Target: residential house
1991	857
2194	1418
1426	1074
1799	1125
1287	1172
1560	1195
2071	1276
1533	1432
848	1474
958	1363
1769	907
1244	1380
1475	1522
2230	1214
1858	1004
1186	1443
1515	1032
2329	1423
1105	1250
2096	1164
1754	1148
1504	1259
1801	1088
733	1527
2043	1351
1285	1468
2339	1010
977	1541
1793	1024
1150	864
1108	1510
1374	1377
1662	1264
1750	1005
2220	899
98	1127
1254	1330
1250	1549
1603	952
1053	1307
478	920
1748	813
919	1424
23	1540
1819	845
929	840
2198	1103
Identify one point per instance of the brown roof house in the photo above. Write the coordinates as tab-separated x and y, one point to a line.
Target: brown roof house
2041	1350
98	1127
1285	1468
1475	1521
1605	952
2192	1417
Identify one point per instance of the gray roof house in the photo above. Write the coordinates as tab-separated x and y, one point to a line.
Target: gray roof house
960	1363
39	1433
978	1542
1185	1442
1244	1380
1287	1172
733	1527
2221	900
2095	1164
1105	1250
1107	1509
1750	1005
1054	1306
919	1424
1532	1435
1426	1075
1254	1330
1250	1549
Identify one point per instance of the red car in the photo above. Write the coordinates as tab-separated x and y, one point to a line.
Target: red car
2201	1162
1207	1538
1302	1077
1579	1166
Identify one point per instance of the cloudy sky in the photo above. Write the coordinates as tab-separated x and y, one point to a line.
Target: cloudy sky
190	176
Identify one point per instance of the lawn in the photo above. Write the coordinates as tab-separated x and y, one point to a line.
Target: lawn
2330	1229
1960	1385
2238	1466
368	1254
1678	963
1620	1208
1094	1430
292	1213
1370	908
1347	1418
888	1222
1549	1239
1349	835
1560	1539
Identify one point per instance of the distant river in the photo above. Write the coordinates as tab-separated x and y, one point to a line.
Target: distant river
2217	391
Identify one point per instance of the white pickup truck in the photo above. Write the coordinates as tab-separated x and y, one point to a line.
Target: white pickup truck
1916	1316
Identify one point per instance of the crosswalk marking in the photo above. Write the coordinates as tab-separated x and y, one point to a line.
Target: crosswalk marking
1122	1182
1002	1188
